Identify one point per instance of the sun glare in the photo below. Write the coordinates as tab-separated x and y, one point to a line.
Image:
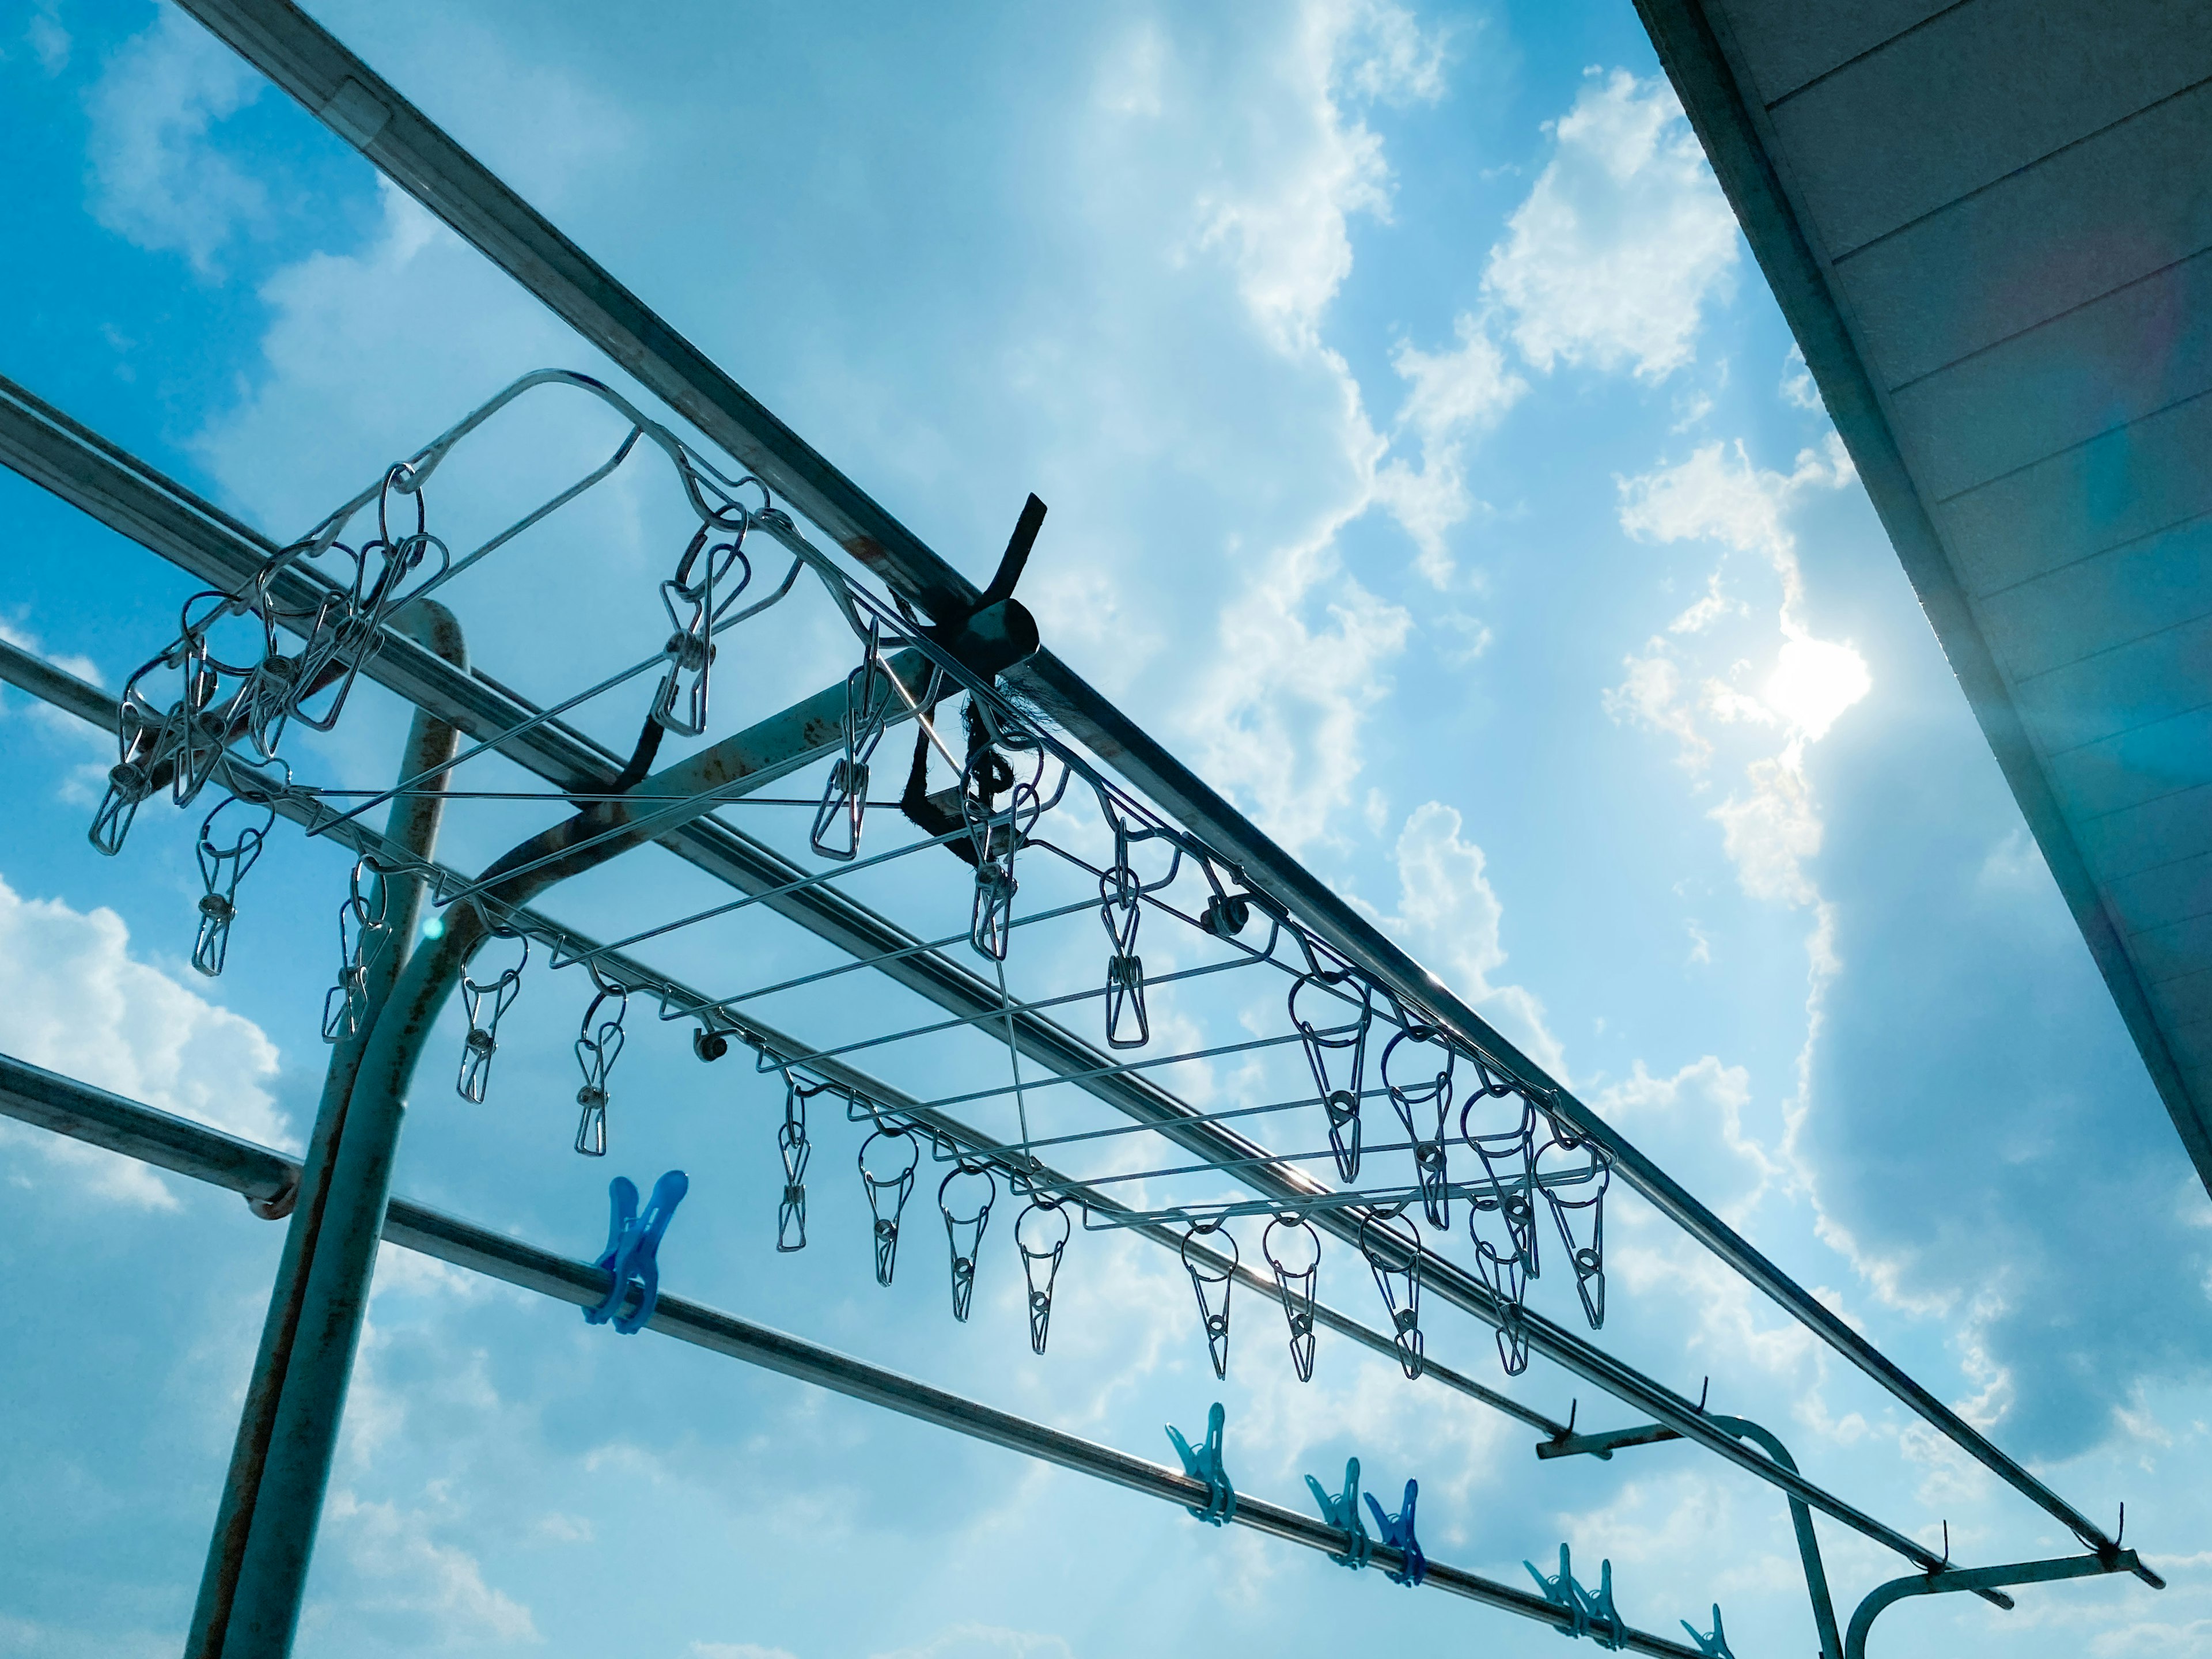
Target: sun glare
1815	681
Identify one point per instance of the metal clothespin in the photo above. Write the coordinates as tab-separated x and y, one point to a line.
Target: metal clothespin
1342	1512
1501	1221
1349	1040
1119	909
143	735
633	1251
221	868
995	833
1297	1283
1421	1096
362	934
484	1004
868	696
1715	1644
1586	1252
1394	1258
693	606
898	1183
1397	1531
1041	1247
1205	1464
1203	1278
965	1233
792	1144
597	1046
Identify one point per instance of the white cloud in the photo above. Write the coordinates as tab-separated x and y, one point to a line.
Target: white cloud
48	40
432	1594
1797	387
1450	917
1454	395
73	1001
154	178
735	1651
1622	239
976	1641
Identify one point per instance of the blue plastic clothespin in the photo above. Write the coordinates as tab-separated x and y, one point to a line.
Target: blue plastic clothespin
633	1249
1343	1514
1564	1594
1205	1464
1601	1609
1397	1531
1714	1646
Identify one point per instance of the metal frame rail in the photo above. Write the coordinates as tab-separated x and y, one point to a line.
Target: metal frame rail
308	62
76	1109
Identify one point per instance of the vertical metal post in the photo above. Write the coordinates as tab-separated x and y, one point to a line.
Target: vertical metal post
1809	1544
412	825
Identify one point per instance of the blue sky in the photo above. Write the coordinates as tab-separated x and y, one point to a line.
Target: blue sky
1430	467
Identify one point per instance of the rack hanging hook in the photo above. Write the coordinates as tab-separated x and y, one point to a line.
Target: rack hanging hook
221	868
965	1233
1341	1102
1297	1285
598	1043
1203	1277
1039	1256
483	1003
898	1183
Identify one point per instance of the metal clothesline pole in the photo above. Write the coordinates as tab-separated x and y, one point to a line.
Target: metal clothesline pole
67	1107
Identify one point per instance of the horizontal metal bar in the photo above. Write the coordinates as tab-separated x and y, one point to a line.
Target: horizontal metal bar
1982	1580
34	1095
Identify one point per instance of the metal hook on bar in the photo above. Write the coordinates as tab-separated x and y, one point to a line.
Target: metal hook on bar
1341	1511
1397	1531
1205	1464
868	708
967	1229
596	1049
633	1251
792	1144
1216	1320
899	1183
221	868
484	1004
1431	1167
1400	1281
1342	1104
363	932
1039	1255
1298	1285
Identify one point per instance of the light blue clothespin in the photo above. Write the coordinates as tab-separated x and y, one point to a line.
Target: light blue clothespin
1205	1464
1564	1594
1714	1646
633	1249
1397	1531
1343	1514
1600	1608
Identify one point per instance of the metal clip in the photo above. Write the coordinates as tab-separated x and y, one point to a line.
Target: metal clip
994	834
899	1183
1429	1166
483	1029
1502	1222
1120	909
363	933
1216	1320
868	693
969	1228
1397	1531
1583	1610
1342	1103
1342	1512
1298	1285
221	868
633	1251
1588	1255
596	1049
1205	1464
693	610
1715	1644
1399	1280
791	1143
143	735
1035	1255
